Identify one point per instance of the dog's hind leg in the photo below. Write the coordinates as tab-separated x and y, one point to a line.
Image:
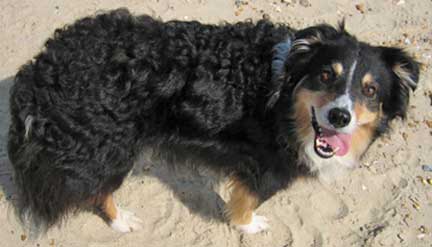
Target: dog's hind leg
240	209
120	220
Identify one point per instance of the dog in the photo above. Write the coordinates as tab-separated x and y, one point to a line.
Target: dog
262	103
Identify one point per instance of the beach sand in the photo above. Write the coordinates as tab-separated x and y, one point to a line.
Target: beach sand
382	203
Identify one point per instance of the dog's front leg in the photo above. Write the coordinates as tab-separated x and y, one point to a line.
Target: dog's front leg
240	208
119	219
255	182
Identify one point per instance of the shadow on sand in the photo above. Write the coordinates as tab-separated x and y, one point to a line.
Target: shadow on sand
193	184
6	181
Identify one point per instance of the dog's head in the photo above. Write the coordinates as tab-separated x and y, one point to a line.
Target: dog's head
342	93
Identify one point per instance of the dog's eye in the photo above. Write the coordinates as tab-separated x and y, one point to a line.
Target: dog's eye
326	76
370	90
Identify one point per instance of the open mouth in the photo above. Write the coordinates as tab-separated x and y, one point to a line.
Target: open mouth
328	143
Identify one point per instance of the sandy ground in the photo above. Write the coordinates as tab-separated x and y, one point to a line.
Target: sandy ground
382	203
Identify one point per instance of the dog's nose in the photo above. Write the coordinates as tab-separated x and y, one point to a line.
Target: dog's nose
339	117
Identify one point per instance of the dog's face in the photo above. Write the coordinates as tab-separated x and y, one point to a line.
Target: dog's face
344	93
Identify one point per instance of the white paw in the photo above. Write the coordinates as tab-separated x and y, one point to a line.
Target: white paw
126	221
258	224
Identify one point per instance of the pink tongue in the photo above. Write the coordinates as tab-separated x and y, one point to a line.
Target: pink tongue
340	140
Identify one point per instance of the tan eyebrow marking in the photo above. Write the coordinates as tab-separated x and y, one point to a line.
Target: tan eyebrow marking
338	68
367	79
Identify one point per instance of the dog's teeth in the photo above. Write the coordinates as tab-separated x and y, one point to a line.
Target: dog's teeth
335	150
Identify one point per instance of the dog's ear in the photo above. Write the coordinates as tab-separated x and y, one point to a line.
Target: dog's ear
405	71
293	54
307	39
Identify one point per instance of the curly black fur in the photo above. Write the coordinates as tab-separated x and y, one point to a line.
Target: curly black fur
107	86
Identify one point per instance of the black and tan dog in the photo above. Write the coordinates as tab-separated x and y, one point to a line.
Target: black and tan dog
260	102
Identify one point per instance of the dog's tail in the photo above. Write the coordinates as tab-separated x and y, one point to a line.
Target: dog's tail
44	197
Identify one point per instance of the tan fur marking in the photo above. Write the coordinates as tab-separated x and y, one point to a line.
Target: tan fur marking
243	202
364	115
302	115
367	79
338	68
304	100
362	136
109	208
